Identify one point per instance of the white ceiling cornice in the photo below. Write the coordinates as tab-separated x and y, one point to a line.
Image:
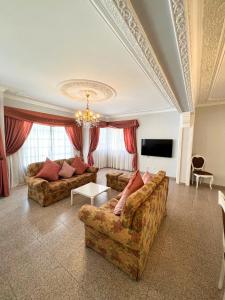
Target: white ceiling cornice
181	33
212	44
143	113
213	103
121	17
29	100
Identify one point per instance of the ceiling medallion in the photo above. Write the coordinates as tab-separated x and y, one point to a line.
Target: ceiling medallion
77	89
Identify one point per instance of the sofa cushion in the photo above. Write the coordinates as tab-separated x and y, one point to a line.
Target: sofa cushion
58	185
125	177
134	184
79	180
66	171
109	205
79	165
49	170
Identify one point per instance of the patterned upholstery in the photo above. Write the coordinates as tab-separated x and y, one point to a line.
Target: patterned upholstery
46	193
125	240
117	180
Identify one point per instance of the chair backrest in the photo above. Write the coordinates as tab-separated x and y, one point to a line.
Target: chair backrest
221	202
197	162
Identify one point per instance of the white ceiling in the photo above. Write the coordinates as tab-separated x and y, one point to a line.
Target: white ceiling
46	42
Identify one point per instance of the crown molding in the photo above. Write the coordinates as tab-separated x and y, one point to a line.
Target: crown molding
213	22
142	113
195	17
29	100
216	103
121	17
219	61
181	30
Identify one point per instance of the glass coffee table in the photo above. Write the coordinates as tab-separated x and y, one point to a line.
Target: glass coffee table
90	190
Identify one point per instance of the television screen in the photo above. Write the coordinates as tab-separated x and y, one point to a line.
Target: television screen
162	148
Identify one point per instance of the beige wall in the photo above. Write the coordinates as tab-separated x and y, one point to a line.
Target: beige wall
209	140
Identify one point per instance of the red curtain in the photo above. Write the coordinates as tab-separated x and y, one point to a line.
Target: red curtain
4	184
94	138
23	115
37	117
130	141
76	137
16	132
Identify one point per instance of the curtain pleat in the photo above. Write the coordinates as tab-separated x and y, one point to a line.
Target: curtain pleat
4	184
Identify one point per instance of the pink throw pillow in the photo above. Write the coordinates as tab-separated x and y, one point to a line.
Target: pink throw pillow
49	170
133	185
66	171
146	177
79	166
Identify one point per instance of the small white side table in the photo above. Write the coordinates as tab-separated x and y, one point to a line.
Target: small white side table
90	190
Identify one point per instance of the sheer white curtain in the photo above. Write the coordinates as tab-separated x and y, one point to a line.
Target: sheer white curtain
43	141
111	151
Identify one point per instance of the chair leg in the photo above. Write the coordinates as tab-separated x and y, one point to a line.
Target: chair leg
211	182
197	180
222	273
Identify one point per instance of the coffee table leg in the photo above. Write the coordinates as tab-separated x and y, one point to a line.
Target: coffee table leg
92	200
71	198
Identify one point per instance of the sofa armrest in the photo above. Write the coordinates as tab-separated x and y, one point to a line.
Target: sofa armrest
92	170
110	225
37	183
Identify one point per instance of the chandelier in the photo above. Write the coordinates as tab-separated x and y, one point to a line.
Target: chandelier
87	118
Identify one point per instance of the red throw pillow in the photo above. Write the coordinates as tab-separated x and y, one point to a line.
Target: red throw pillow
79	166
49	170
134	184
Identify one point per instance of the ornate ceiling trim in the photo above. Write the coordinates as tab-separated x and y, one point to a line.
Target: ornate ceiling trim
181	32
219	60
121	17
213	21
143	113
77	89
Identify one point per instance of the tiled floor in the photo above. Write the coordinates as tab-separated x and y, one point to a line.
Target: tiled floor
42	253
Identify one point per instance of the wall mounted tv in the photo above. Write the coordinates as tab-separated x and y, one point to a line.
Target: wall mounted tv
162	148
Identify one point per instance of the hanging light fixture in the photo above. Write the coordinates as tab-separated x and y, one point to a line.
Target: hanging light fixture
87	118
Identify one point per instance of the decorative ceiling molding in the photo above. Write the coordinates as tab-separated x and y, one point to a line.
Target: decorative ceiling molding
32	101
212	103
121	17
143	113
195	26
181	33
213	21
77	89
219	61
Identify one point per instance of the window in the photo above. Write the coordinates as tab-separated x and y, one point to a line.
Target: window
111	151
46	141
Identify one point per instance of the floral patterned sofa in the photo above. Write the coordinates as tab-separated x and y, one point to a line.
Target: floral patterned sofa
117	180
125	240
46	193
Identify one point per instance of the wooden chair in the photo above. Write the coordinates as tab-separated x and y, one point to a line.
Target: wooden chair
197	164
221	202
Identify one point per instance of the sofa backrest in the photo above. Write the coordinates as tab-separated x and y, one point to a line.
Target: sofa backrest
137	201
34	168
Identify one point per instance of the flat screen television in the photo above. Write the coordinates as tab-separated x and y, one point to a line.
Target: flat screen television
162	148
